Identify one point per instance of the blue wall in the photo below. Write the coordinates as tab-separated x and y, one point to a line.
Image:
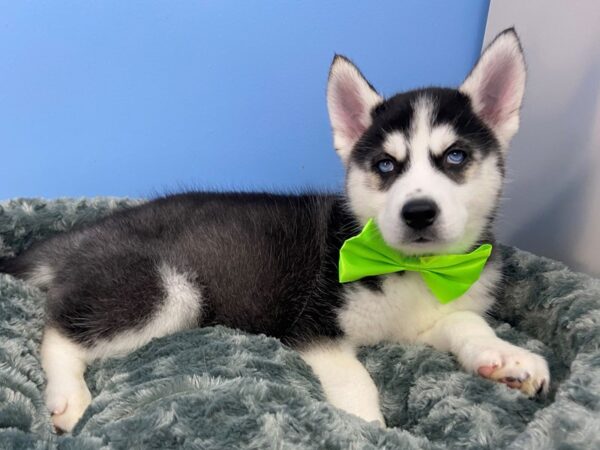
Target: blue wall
133	98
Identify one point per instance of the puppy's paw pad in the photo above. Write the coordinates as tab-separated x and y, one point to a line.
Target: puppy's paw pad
56	403
500	361
486	371
482	357
68	407
518	369
66	421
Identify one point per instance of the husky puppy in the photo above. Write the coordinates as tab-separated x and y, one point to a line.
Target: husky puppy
426	165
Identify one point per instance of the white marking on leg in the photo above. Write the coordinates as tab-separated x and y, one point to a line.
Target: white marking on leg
346	382
41	276
180	310
67	395
480	351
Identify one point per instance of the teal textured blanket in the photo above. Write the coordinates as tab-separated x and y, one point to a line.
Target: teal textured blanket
216	388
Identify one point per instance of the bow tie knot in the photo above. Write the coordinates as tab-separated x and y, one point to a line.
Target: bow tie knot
447	276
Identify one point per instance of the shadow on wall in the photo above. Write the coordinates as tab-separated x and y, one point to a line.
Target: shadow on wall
562	227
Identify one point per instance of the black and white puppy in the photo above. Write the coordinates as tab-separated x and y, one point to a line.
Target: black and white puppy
427	165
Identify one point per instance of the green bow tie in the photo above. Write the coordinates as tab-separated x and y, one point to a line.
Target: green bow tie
447	276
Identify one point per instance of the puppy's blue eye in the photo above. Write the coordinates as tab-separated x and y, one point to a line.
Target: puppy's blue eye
385	165
456	157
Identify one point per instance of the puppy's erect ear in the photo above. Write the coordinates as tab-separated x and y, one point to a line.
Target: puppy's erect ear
350	99
496	85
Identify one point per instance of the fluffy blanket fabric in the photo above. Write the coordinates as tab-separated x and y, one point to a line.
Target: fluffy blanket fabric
221	388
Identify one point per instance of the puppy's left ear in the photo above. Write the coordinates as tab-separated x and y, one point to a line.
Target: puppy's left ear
496	85
350	100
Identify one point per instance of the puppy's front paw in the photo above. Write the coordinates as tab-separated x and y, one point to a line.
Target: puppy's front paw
506	363
67	404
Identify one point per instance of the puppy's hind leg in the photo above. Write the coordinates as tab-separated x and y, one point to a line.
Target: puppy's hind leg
173	305
67	395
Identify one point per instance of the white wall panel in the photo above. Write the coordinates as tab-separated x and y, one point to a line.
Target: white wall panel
552	204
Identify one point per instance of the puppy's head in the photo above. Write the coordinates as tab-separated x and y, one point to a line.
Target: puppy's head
428	164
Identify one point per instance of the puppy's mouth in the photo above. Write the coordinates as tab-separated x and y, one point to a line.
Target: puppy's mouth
422	237
422	243
422	240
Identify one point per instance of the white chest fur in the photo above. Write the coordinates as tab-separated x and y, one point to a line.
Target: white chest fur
405	307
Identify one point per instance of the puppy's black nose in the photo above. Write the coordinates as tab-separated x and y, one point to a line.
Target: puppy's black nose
419	214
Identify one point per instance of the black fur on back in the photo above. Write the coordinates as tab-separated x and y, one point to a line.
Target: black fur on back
264	263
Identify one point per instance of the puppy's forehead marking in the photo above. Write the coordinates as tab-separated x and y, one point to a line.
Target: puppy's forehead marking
425	135
442	137
420	130
395	145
